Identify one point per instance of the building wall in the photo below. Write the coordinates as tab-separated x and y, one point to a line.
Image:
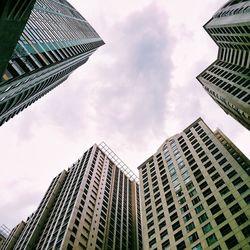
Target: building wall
194	194
92	205
227	80
55	41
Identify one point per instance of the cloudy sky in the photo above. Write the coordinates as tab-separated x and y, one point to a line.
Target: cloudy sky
133	93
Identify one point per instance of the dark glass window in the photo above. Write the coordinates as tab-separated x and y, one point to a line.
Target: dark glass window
232	174
243	189
225	230
241	219
211	239
176	225
203	218
199	208
231	242
184	209
162	224
207	228
235	208
203	185
171	209
187	217
173	216
220	218
224	190
215	209
190	227
207	192
211	200
196	200
229	199
178	235
193	237
181	246
237	181
246	231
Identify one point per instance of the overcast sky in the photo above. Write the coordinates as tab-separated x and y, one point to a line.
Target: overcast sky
133	93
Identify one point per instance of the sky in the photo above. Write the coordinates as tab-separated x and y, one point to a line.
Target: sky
134	92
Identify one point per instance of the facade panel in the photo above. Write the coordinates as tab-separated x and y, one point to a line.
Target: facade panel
195	193
92	205
227	80
54	42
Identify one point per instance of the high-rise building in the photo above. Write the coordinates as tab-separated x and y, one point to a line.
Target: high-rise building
93	205
54	42
14	15
4	232
195	193
227	80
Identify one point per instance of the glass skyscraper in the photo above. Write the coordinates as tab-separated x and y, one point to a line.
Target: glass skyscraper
93	205
195	193
227	80
55	41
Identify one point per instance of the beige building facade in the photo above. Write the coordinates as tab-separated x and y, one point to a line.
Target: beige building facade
227	79
195	193
93	205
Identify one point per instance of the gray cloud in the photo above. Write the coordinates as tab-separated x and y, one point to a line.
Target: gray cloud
131	98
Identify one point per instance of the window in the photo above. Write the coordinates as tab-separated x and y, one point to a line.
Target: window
246	231
207	192
181	246
241	219
211	239
207	228
203	185
235	208
192	193
165	245
232	174
197	247
196	200
225	230
184	209
176	225
164	234
203	218
243	189
193	237
219	183
173	216
217	248
178	235
187	217
220	218
211	200
237	181
152	242
199	208
224	190
190	185
151	232
190	227
171	209
229	199
182	200
162	224
231	242
215	209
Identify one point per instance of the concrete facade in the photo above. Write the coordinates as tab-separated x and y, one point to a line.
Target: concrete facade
93	205
55	41
195	193
227	80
